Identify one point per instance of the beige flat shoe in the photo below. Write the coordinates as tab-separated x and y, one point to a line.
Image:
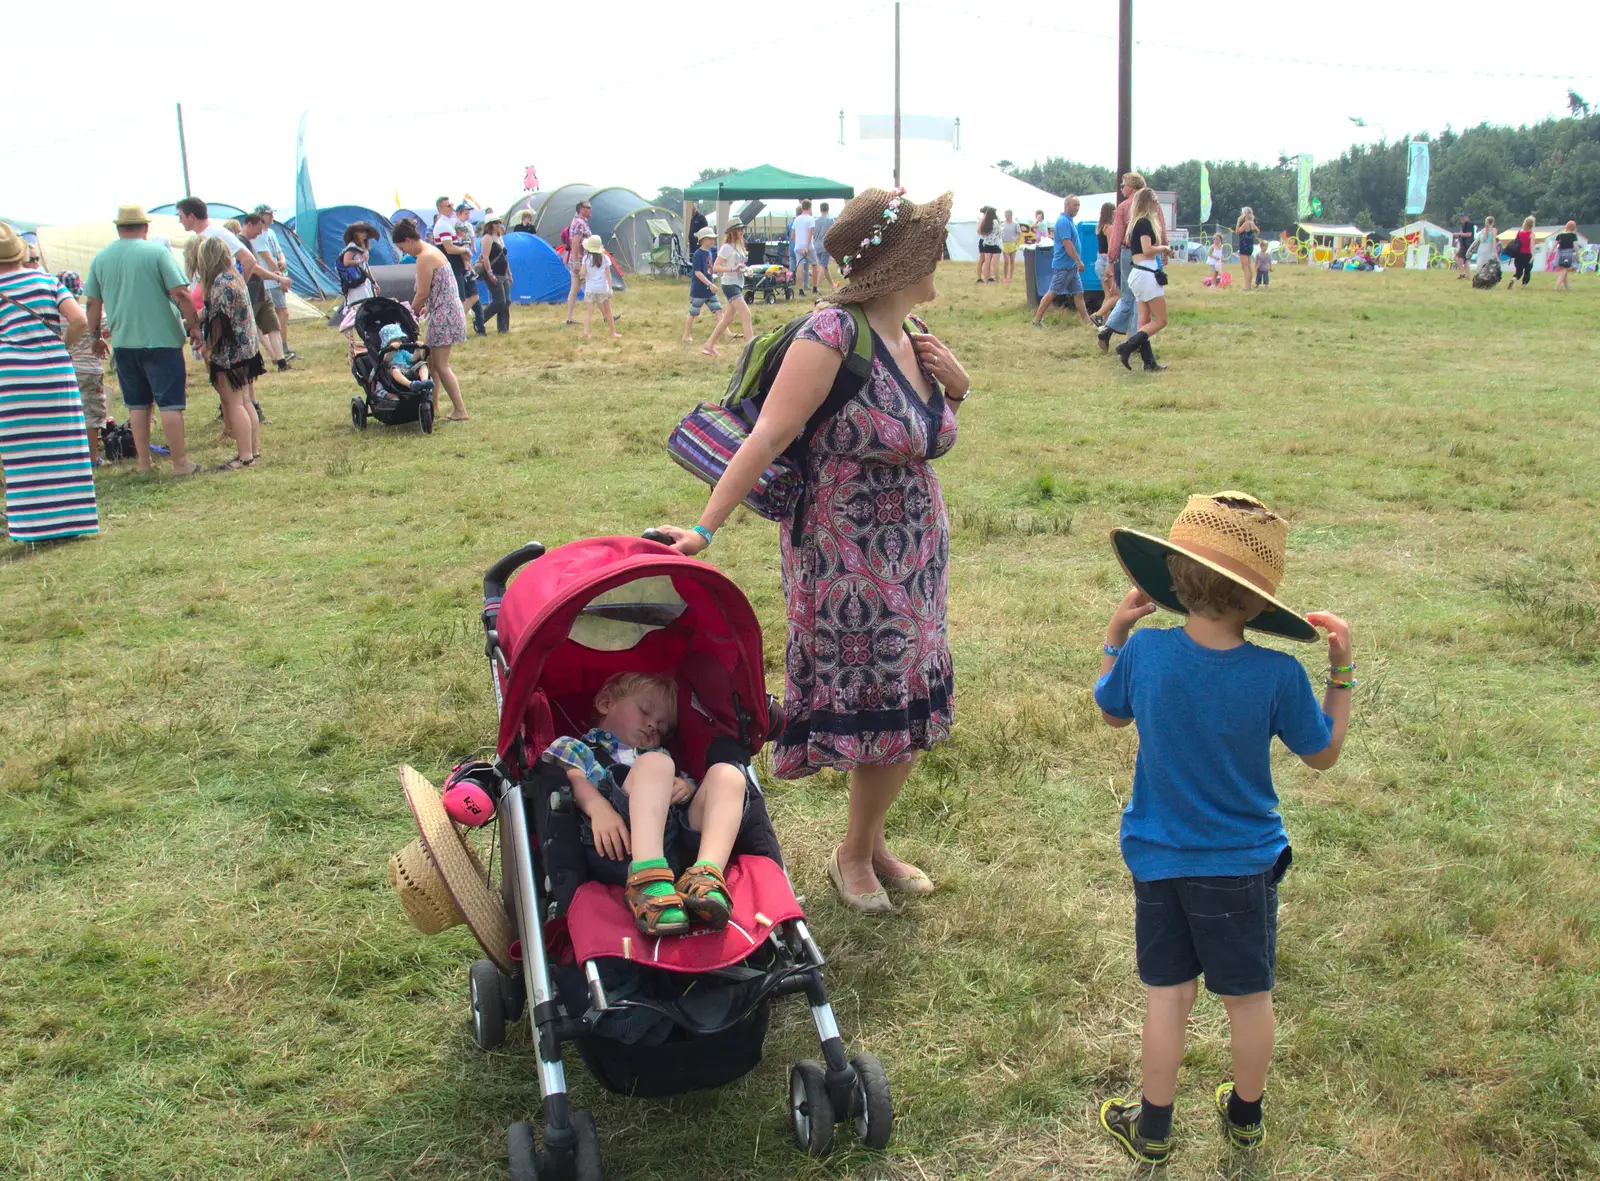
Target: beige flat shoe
876	902
915	882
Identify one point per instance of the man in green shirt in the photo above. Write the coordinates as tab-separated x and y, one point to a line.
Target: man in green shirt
142	292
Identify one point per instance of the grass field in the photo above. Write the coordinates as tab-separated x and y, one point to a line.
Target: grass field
203	973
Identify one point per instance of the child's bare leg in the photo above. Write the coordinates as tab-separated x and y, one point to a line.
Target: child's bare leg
400	378
588	316
1166	1020
649	788
1250	1018
716	811
688	329
610	323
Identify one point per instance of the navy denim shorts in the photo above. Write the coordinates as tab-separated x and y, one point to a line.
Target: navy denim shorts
1226	928
151	375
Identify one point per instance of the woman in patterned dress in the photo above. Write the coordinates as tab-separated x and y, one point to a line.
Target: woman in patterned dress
869	681
43	449
439	299
232	346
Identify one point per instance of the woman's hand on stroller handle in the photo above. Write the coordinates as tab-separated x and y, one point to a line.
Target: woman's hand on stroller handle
685	541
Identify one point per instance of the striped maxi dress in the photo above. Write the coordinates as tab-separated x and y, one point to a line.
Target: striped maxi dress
49	480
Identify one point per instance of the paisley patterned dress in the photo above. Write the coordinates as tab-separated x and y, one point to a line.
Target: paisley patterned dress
868	673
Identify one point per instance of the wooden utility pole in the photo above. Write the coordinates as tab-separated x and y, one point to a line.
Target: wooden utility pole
897	93
1124	89
183	151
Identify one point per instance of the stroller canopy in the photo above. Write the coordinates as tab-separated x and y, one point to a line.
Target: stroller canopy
590	609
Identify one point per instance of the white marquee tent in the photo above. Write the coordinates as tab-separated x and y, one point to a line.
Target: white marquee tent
73	247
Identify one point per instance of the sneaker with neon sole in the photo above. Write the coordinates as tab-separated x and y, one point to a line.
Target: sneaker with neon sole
1238	1135
1121	1120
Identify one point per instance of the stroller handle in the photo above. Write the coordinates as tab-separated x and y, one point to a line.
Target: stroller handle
496	577
657	536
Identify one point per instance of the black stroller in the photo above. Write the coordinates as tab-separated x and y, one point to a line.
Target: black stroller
770	272
649	1015
381	396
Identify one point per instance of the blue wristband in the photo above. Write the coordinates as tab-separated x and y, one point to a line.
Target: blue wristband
703	532
1110	651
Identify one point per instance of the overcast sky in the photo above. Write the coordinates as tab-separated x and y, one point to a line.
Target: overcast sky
642	109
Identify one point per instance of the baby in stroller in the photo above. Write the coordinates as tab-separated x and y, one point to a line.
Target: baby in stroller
405	370
635	805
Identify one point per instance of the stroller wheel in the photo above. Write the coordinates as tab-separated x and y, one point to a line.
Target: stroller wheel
358	414
870	1104
520	1152
488	1005
810	1109
425	417
589	1165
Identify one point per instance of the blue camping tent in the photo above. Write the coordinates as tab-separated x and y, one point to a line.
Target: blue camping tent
311	279
331	224
423	223
537	272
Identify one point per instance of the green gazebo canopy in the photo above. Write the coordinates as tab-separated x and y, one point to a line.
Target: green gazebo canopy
766	183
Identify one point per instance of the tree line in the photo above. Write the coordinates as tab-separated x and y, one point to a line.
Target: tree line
1550	170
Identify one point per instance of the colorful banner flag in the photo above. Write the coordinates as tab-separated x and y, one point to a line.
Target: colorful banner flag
398	204
1205	194
1303	206
305	205
1417	178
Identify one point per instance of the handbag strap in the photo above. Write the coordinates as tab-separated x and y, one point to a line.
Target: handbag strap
18	303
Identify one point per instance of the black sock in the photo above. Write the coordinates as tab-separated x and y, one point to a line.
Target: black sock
1155	1123
1242	1114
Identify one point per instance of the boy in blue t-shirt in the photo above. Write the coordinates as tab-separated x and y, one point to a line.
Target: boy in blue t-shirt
1201	834
702	290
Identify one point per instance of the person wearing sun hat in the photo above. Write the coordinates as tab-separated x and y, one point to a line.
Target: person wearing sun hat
702	287
1202	834
868	681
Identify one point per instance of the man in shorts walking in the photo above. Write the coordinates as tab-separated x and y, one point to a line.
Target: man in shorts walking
819	238
1066	284
805	248
270	248
140	289
577	230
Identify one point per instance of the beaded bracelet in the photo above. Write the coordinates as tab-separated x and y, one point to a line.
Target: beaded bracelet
1342	668
1333	684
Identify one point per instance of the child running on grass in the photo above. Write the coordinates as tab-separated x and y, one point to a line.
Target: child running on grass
636	806
1202	835
702	287
597	285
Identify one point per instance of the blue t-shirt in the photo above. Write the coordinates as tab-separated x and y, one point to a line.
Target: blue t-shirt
1203	803
702	263
1066	231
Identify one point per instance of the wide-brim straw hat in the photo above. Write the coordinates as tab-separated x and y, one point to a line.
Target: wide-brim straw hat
594	243
906	248
733	224
705	232
440	880
131	215
12	247
1231	533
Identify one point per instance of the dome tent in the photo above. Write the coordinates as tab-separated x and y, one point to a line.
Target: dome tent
309	277
331	224
533	201
556	213
622	217
537	273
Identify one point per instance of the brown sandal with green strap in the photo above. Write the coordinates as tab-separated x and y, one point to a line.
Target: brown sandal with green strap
648	908
699	886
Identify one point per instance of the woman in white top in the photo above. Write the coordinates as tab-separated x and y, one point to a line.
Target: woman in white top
729	270
1488	269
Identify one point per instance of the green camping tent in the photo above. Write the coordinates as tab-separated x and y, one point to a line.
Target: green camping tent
766	183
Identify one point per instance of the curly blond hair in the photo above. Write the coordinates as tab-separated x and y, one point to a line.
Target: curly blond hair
659	690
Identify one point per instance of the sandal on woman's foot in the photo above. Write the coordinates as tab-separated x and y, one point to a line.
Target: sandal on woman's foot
876	902
915	882
705	895
236	464
660	913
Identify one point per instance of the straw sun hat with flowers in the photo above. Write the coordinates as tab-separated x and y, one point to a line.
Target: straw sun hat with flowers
884	242
440	880
1233	534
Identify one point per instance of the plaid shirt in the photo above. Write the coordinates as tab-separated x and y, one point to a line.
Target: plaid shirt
1117	235
579	753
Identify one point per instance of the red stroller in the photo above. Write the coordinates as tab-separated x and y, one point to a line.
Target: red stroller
648	1015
